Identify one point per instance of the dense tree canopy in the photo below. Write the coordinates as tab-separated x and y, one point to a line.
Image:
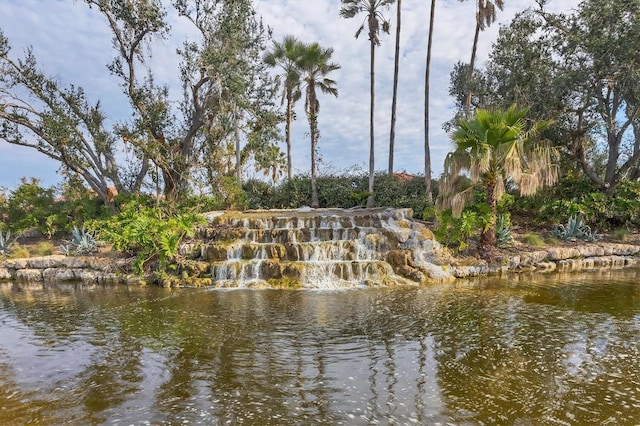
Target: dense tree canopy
227	99
581	70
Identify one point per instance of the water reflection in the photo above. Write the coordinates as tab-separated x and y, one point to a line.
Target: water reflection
561	350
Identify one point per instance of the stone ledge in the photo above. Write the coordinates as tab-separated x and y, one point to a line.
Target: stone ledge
585	257
59	268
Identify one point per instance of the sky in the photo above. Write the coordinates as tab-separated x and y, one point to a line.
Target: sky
72	43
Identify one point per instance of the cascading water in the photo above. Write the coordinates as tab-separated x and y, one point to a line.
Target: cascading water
323	248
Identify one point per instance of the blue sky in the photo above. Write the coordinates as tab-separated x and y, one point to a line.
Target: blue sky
72	42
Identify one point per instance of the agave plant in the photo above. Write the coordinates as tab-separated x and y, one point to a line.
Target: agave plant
575	230
82	242
503	231
5	242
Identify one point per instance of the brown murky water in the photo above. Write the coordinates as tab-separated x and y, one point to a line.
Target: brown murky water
546	350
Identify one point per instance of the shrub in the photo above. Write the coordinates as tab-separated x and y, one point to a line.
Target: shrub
29	205
455	233
148	233
258	194
575	230
503	230
5	243
579	197
345	190
81	243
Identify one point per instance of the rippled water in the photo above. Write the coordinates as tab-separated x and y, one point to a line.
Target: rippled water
548	350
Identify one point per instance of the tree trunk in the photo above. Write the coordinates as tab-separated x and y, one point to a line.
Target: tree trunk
634	173
313	121
427	149
236	124
488	235
392	134
371	199
288	133
467	103
170	178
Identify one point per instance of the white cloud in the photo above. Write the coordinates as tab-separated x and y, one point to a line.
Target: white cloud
72	42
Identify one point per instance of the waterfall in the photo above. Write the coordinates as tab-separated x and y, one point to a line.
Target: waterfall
320	249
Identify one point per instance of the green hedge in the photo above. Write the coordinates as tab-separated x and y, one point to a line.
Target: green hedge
341	191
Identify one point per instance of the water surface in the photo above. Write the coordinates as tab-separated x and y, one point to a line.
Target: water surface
528	350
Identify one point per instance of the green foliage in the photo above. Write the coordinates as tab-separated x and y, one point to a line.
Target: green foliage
338	191
292	194
575	230
503	230
258	193
29	205
533	240
455	232
81	243
429	214
560	65
579	197
43	248
148	233
621	234
19	252
5	243
361	197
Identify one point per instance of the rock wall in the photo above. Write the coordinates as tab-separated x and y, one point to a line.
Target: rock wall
59	268
584	257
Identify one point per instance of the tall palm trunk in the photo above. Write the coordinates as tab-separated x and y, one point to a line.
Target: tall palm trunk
370	199
392	134
288	132
236	124
488	235
312	115
467	103
313	124
427	149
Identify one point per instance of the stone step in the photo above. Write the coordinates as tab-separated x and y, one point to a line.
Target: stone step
369	247
311	273
287	235
313	218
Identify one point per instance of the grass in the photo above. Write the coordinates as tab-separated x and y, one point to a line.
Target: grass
621	234
18	251
43	248
534	240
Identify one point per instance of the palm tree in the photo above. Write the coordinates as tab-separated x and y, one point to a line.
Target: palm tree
485	16
396	65
286	55
494	147
374	17
315	64
427	150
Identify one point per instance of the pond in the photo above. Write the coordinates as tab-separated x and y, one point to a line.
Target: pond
545	350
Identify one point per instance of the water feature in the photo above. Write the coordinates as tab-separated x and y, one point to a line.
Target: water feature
316	248
533	349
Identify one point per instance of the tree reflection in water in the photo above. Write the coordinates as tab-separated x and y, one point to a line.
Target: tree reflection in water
524	350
